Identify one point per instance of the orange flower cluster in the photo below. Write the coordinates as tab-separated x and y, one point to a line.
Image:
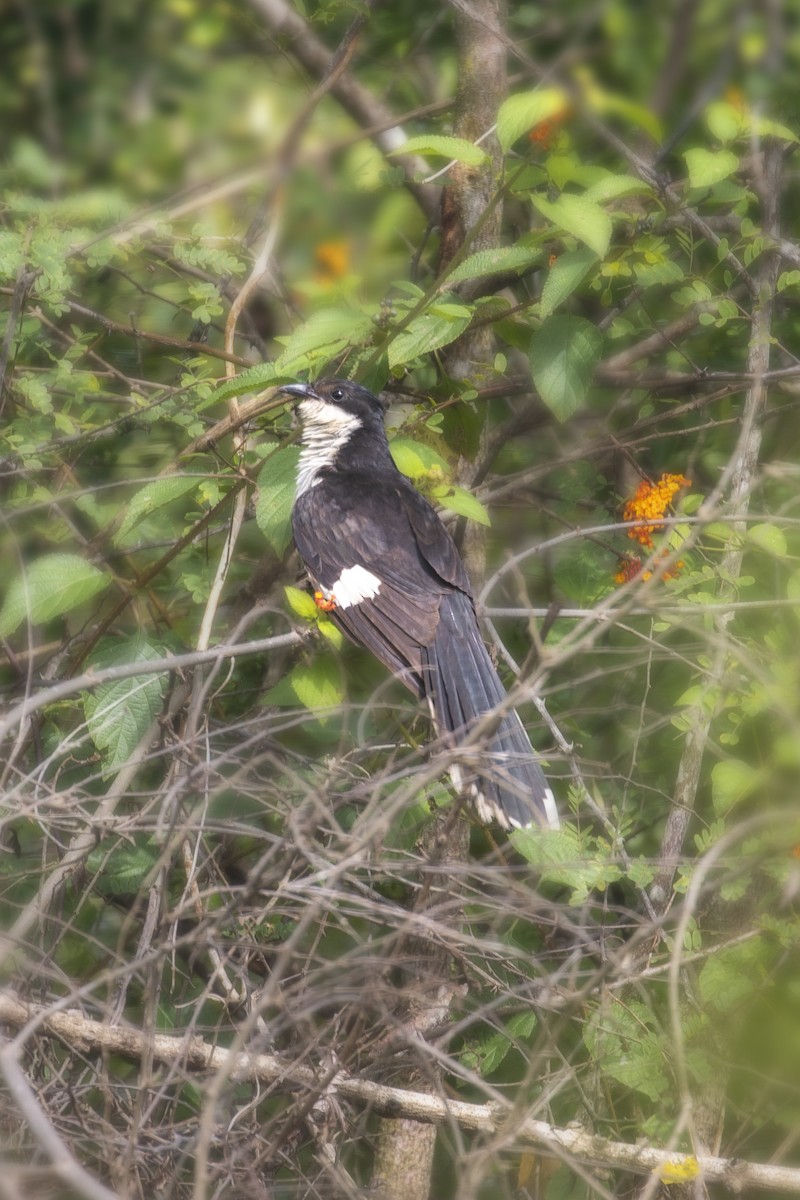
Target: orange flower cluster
647	509
649	505
629	566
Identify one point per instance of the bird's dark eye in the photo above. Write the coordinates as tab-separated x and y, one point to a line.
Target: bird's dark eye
337	394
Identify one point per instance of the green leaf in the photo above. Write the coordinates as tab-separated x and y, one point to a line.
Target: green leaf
724	121
732	976
330	631
766	127
427	332
255	379
301	603
486	1054
493	262
707	167
417	460
636	114
462	502
121	871
563	355
614	186
322	336
444	147
119	713
152	496
49	587
565	275
731	782
316	686
526	110
277	484
768	537
625	1047
582	218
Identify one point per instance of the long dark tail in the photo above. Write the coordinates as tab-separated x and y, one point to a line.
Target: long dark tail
501	775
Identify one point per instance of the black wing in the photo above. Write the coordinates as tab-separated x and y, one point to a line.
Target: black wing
391	531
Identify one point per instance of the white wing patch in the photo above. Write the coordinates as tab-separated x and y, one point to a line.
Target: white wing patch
354	585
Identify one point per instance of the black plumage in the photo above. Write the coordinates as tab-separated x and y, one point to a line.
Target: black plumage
392	577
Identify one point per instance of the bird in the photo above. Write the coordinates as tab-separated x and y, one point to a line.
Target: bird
389	575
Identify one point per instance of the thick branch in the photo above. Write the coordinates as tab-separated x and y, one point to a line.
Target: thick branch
196	1055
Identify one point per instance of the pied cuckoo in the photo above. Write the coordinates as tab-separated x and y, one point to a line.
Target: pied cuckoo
389	574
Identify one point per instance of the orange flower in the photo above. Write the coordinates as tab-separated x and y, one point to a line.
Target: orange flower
333	258
543	133
628	567
649	505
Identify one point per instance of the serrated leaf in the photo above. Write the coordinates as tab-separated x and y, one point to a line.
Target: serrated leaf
526	110
277	484
254	379
416	459
731	782
621	1040
563	355
425	333
444	147
768	537
494	262
461	502
152	496
50	587
123	870
315	686
451	312
707	167
330	631
565	275
486	1055
730	976
301	603
120	712
582	218
323	335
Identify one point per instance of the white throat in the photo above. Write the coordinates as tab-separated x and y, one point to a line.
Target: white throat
326	429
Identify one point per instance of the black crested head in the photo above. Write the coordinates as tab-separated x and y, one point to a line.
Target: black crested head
341	394
342	429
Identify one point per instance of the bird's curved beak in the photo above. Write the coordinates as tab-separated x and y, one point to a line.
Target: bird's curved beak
304	390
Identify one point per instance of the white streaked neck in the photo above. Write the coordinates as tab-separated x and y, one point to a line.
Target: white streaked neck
326	429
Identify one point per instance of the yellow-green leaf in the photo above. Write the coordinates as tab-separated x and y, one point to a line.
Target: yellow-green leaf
526	110
301	603
462	502
707	167
768	537
277	484
435	146
49	587
582	218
